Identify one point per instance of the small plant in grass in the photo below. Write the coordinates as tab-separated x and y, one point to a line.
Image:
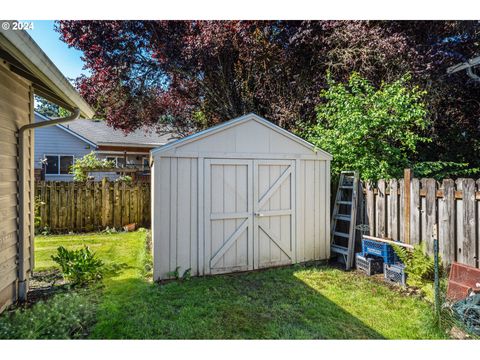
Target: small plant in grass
187	274
419	267
175	273
80	266
45	231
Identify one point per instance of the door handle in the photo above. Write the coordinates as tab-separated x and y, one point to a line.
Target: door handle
259	214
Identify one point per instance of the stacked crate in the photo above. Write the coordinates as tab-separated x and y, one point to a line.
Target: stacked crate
377	257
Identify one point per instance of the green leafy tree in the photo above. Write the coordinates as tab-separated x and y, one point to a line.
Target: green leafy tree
373	130
49	109
89	162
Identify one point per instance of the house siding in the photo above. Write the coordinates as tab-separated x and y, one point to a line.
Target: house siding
53	140
16	104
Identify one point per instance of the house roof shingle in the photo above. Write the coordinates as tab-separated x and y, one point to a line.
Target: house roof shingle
100	133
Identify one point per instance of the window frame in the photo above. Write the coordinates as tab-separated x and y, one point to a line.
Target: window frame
58	173
147	168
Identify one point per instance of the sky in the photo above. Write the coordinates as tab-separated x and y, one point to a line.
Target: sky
66	59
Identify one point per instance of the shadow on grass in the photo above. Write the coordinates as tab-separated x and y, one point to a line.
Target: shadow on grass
272	304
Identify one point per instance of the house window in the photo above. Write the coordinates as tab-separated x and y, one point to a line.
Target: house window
111	158
58	164
51	166
120	162
146	166
65	163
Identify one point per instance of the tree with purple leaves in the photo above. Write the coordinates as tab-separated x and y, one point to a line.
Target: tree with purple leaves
187	75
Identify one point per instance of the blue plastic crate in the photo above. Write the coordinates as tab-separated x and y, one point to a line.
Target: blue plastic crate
380	249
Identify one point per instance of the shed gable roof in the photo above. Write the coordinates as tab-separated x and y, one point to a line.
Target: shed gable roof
237	122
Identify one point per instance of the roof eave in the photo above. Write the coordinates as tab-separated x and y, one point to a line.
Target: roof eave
130	144
23	49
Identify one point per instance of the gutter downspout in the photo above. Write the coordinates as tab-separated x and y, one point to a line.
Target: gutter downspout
22	200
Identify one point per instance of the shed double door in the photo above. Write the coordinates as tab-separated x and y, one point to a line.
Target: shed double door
249	214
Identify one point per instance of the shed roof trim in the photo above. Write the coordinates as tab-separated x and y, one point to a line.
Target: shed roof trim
235	122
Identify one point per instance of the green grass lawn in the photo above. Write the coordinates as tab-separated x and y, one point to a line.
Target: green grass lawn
289	303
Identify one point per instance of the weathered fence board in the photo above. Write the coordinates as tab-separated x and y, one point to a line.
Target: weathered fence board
453	205
80	207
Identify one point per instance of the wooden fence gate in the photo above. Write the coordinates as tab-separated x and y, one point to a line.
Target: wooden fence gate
90	206
407	209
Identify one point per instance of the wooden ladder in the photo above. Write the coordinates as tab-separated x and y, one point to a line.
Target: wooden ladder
344	217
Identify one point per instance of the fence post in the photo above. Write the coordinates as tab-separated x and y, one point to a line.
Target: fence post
105	203
407	183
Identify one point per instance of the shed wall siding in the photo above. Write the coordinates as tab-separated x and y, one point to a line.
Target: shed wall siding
313	214
16	106
175	220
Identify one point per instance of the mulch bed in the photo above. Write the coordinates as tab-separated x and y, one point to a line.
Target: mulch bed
44	284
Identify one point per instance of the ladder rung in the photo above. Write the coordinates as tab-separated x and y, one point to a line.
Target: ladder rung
343	217
344	202
339	249
341	234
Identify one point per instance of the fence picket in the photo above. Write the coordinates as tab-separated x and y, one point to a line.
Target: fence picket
446	222
381	206
370	208
415	213
393	210
430	213
468	255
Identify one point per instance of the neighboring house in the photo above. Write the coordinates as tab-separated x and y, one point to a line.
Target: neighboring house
57	148
25	71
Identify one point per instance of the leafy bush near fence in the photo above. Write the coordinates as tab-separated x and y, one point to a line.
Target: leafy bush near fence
66	316
89	162
375	130
419	267
80	266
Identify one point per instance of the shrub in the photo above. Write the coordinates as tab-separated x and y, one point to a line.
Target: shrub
375	130
79	266
419	267
127	179
89	162
65	316
38	219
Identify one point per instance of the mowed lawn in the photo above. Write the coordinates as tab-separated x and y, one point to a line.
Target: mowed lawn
288	303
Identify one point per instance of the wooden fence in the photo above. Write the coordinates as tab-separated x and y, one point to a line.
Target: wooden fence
407	210
80	207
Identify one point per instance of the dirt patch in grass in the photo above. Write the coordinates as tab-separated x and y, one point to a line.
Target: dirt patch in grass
43	285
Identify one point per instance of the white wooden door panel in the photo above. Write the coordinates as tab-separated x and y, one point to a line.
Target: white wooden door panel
228	211
273	212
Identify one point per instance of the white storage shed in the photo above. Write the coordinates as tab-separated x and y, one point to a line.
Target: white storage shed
240	196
